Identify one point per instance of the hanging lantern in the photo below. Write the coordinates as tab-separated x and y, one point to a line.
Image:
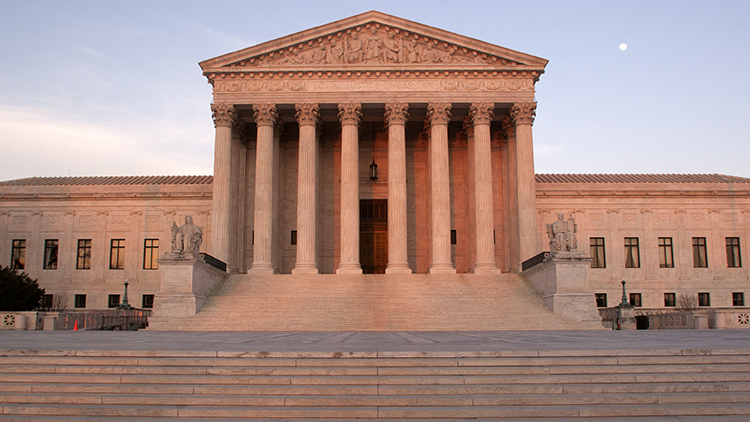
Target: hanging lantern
373	170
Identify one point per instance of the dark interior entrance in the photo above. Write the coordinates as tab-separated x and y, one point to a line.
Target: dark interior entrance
373	235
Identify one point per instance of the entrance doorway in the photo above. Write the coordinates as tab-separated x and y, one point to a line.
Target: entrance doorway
373	235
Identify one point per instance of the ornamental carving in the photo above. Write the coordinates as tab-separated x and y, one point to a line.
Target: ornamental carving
223	114
439	113
265	114
372	45
509	129
366	85
396	113
523	113
350	113
481	113
307	114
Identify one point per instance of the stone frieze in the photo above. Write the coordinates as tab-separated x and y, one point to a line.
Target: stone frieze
367	85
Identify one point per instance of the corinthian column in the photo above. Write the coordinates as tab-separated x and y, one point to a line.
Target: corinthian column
307	181
528	243
349	115
221	206
395	117
439	115
481	115
265	119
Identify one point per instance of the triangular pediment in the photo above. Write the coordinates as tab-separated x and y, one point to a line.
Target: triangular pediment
373	41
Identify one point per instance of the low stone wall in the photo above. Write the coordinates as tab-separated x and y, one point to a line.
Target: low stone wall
660	319
20	320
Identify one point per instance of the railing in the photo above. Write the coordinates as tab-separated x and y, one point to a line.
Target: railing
103	320
533	261
221	265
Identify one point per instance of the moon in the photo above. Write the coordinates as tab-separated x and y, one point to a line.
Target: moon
623	46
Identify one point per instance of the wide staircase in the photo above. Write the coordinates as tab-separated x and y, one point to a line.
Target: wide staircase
417	302
626	385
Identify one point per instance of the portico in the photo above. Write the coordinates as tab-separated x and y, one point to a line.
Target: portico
447	120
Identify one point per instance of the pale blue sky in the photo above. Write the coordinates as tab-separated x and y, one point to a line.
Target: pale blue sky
114	88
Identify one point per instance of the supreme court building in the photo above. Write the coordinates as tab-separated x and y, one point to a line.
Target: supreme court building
378	145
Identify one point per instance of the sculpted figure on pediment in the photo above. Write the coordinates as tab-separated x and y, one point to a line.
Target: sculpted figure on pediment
354	49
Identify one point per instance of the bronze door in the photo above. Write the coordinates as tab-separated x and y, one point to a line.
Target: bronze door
373	235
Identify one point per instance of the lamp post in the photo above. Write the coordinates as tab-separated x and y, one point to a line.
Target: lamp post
125	304
624	303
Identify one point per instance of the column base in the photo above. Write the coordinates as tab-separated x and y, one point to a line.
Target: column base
442	268
485	268
349	268
261	268
398	268
233	270
305	268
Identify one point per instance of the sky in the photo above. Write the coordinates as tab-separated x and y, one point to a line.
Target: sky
90	88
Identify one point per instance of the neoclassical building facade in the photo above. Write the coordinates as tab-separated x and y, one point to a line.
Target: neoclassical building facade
379	145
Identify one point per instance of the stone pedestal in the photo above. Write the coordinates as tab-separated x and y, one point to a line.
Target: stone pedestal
186	283
562	281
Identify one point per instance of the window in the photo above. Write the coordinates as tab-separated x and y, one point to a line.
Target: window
117	254
453	237
84	255
700	257
704	299
666	256
148	302
80	301
669	299
50	254
114	301
294	237
18	254
47	301
601	300
635	300
733	252
632	254
738	299
150	254
597	252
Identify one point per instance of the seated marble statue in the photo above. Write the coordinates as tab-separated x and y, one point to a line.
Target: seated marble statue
562	234
187	238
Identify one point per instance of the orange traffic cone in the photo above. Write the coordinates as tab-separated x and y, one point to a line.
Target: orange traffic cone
75	326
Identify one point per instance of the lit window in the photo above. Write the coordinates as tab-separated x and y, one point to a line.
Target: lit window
597	252
117	254
632	253
84	256
114	301
704	299
50	254
669	299
147	302
80	301
150	254
666	256
700	257
733	252
601	300
738	299
635	300
18	254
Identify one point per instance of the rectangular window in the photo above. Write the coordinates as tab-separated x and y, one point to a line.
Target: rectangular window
150	254
84	255
601	300
114	301
47	301
733	252
117	254
80	301
294	237
18	254
669	299
635	300
738	299
50	254
704	299
597	252
666	256
453	237
700	257
148	302
632	253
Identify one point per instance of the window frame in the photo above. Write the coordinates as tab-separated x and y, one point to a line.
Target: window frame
117	254
738	299
636	299
51	254
598	261
145	304
666	260
150	254
601	299
700	252
18	254
704	299
734	256
79	301
83	254
670	300
631	260
113	301
48	300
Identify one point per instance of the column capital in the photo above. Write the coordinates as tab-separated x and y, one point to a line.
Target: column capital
523	113
439	113
396	113
265	114
307	113
509	129
223	114
481	113
350	113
